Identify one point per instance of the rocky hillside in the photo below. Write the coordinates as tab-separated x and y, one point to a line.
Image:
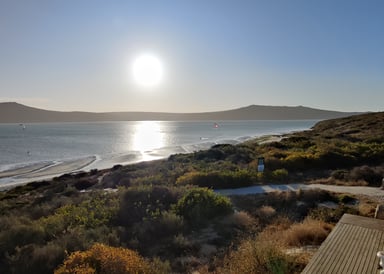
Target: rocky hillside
366	127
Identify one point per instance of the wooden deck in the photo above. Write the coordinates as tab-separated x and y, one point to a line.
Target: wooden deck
351	247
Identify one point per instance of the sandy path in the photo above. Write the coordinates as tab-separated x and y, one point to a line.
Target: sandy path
356	190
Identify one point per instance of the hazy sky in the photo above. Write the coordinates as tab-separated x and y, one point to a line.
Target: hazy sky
216	54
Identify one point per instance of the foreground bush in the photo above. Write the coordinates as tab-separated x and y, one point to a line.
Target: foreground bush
201	204
33	258
330	215
309	232
20	235
258	256
158	228
104	259
138	203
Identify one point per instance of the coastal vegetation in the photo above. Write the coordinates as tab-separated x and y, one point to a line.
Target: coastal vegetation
165	217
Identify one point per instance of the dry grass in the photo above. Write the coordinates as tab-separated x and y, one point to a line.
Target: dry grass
240	219
309	232
258	255
351	183
250	257
367	208
272	232
265	212
266	253
336	182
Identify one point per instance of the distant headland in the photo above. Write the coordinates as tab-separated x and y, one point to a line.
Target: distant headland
12	112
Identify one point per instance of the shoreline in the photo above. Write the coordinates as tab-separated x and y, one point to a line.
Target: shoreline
42	171
14	177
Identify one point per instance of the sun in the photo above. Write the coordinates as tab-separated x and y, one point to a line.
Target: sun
147	70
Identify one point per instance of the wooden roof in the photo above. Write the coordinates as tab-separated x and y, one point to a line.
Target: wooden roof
351	247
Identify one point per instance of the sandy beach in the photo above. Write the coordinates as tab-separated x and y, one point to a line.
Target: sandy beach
61	167
24	170
42	171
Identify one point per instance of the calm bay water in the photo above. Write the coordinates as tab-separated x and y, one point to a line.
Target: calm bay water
125	142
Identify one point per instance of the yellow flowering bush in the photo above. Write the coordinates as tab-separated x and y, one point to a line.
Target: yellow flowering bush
104	259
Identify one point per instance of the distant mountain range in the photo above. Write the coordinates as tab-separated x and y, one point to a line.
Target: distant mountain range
11	112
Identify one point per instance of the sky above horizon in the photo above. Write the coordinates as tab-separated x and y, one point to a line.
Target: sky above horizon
216	54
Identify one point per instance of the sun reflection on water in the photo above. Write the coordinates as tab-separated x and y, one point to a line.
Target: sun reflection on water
148	135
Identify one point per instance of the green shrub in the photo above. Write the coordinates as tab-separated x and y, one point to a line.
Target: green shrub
158	228
20	235
372	176
142	202
180	244
217	180
201	204
335	159
99	210
345	199
160	267
73	239
280	174
299	161
36	259
84	184
147	180
8	222
339	174
330	215
169	223
228	152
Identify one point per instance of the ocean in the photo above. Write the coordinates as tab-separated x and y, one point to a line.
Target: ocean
38	150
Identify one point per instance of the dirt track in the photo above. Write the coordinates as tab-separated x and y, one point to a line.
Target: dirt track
355	190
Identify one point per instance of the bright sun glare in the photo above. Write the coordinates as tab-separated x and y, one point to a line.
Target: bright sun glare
147	70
